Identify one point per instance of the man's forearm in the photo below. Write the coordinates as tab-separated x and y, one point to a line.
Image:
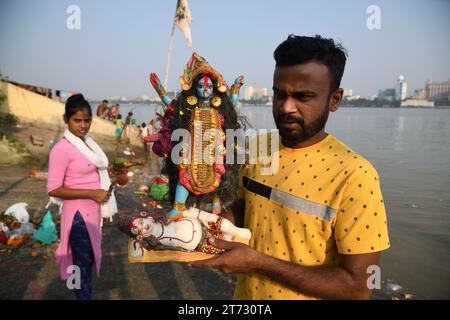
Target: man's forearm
319	282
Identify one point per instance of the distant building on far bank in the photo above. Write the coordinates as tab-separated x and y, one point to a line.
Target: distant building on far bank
351	98
438	91
348	92
386	94
348	95
401	88
420	94
252	93
417	103
396	94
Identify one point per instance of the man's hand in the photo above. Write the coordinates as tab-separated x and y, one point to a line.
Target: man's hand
237	258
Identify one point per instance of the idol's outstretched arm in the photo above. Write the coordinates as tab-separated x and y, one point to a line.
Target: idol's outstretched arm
234	91
156	83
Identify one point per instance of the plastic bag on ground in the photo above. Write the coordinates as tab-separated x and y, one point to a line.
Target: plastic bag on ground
47	231
19	212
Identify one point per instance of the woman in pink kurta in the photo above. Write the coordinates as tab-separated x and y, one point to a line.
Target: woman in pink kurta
75	179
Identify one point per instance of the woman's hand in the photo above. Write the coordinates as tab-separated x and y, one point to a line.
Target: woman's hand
100	196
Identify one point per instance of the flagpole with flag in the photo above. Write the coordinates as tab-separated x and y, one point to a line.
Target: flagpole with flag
183	21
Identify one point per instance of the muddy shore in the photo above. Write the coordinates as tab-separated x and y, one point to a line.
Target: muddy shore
37	277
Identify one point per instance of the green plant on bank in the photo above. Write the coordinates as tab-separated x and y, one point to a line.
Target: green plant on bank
13	140
31	159
20	147
2	97
8	119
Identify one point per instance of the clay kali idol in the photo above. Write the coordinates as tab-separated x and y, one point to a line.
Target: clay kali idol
205	108
201	184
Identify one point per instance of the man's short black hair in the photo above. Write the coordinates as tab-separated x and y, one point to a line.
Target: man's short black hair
300	49
105	101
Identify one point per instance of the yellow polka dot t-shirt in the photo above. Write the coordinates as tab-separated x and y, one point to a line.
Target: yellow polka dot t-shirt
324	200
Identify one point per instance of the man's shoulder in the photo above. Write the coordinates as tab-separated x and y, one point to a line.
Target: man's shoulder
355	163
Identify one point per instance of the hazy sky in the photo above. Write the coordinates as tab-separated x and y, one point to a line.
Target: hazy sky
121	42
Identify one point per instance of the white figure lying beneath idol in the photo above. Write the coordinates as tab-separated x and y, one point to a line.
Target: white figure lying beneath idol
188	234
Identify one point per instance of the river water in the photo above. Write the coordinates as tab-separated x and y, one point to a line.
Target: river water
410	148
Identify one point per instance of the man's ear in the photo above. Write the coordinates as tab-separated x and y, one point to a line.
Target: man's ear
336	99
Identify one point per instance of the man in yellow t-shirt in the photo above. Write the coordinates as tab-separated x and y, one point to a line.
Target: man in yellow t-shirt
318	223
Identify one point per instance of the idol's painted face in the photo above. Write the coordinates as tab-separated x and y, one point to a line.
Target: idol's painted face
142	226
205	87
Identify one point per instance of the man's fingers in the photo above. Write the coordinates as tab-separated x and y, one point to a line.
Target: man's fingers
222	244
205	264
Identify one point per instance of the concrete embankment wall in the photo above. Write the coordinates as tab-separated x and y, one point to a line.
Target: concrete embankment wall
31	107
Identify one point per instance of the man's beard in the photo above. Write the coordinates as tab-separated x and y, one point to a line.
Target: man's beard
291	138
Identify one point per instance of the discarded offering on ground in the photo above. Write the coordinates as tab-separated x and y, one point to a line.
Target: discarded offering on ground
3	238
38	174
17	242
120	170
158	188
26	228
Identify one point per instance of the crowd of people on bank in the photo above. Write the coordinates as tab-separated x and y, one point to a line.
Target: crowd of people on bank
123	127
106	112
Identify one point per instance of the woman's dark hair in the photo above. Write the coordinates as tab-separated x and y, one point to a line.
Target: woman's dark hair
76	103
143	124
119	116
300	49
227	191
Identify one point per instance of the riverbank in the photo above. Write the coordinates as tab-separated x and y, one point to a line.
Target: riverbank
32	273
414	268
37	277
29	144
